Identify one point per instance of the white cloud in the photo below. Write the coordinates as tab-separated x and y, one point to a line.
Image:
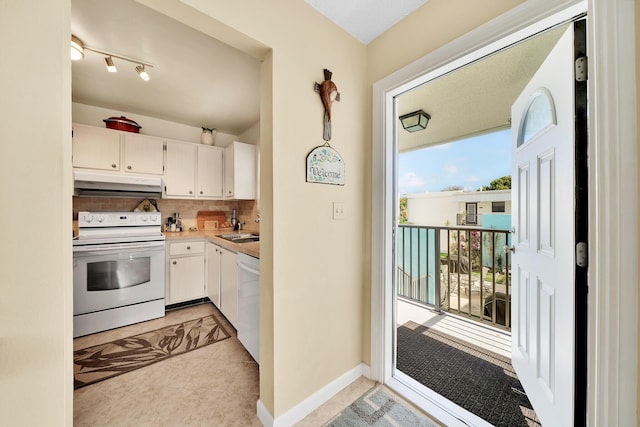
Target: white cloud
410	180
451	168
472	179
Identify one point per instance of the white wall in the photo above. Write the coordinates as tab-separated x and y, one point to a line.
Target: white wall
439	209
36	377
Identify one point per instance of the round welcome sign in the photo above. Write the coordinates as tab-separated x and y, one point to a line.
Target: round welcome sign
325	166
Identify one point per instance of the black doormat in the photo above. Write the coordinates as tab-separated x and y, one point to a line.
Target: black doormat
476	379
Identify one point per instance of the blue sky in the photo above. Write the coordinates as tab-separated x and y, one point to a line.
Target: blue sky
469	163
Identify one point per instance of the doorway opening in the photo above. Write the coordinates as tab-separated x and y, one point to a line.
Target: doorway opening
461	291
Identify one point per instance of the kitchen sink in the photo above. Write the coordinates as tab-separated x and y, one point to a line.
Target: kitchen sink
241	237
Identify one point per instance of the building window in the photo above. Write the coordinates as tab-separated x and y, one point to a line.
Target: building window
497	206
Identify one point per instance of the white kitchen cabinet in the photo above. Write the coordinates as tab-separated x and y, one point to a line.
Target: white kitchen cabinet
118	151
96	148
209	172
213	273
240	171
180	174
222	281
186	271
192	166
142	154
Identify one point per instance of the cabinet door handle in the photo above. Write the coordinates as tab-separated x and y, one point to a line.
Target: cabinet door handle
175	262
113	165
201	192
129	167
188	248
190	192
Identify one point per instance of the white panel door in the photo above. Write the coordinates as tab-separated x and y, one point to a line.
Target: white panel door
543	240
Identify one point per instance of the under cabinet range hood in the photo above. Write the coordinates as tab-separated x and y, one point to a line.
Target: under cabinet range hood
91	183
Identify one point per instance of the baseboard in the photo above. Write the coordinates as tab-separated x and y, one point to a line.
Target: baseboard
312	402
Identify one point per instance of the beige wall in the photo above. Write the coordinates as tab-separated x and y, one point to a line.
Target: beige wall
433	25
637	43
312	290
36	379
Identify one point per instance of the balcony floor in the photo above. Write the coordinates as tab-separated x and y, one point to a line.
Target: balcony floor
493	339
464	361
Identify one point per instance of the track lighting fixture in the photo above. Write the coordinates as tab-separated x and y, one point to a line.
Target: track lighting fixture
111	67
78	48
142	73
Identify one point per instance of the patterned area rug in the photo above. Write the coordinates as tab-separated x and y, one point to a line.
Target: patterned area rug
472	377
376	408
108	360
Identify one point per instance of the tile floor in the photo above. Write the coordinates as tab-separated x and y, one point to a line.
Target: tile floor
216	385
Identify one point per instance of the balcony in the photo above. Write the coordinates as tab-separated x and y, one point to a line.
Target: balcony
459	270
453	329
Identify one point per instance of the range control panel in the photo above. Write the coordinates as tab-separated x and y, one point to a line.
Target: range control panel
118	219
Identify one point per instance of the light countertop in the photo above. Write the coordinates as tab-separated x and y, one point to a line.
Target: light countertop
249	248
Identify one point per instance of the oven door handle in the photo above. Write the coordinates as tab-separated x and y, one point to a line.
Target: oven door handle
107	248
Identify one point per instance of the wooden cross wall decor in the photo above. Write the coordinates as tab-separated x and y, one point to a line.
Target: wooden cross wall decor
328	93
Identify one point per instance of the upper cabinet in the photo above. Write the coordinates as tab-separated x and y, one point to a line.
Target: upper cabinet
190	170
107	149
142	154
96	148
240	171
180	172
209	171
193	171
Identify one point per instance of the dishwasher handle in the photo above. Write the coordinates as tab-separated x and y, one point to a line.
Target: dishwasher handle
247	267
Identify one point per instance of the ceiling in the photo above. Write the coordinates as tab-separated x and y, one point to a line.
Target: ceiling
477	98
199	81
196	80
365	19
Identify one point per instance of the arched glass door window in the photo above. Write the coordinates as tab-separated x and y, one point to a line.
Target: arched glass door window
539	116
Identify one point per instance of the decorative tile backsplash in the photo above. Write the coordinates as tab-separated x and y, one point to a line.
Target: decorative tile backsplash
247	209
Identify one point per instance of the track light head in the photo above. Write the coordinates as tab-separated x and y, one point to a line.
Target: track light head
142	73
77	48
111	67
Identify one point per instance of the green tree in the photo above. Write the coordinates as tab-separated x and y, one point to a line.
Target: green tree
502	183
404	211
453	188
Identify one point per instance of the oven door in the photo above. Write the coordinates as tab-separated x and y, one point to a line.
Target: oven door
116	275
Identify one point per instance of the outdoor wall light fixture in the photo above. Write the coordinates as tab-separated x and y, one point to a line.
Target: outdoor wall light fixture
415	121
78	48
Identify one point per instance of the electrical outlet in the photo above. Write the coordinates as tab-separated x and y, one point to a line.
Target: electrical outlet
338	210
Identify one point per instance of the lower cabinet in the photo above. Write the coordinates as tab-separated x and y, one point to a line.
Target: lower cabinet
222	281
185	271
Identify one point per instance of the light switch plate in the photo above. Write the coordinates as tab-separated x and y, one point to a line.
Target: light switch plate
338	210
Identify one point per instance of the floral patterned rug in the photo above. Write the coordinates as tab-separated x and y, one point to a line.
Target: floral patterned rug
108	360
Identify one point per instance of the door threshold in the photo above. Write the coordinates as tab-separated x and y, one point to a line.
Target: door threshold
432	403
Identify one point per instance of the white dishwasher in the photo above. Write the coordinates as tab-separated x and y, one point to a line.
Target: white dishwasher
249	304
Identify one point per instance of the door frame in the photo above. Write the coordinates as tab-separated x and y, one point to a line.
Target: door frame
613	236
